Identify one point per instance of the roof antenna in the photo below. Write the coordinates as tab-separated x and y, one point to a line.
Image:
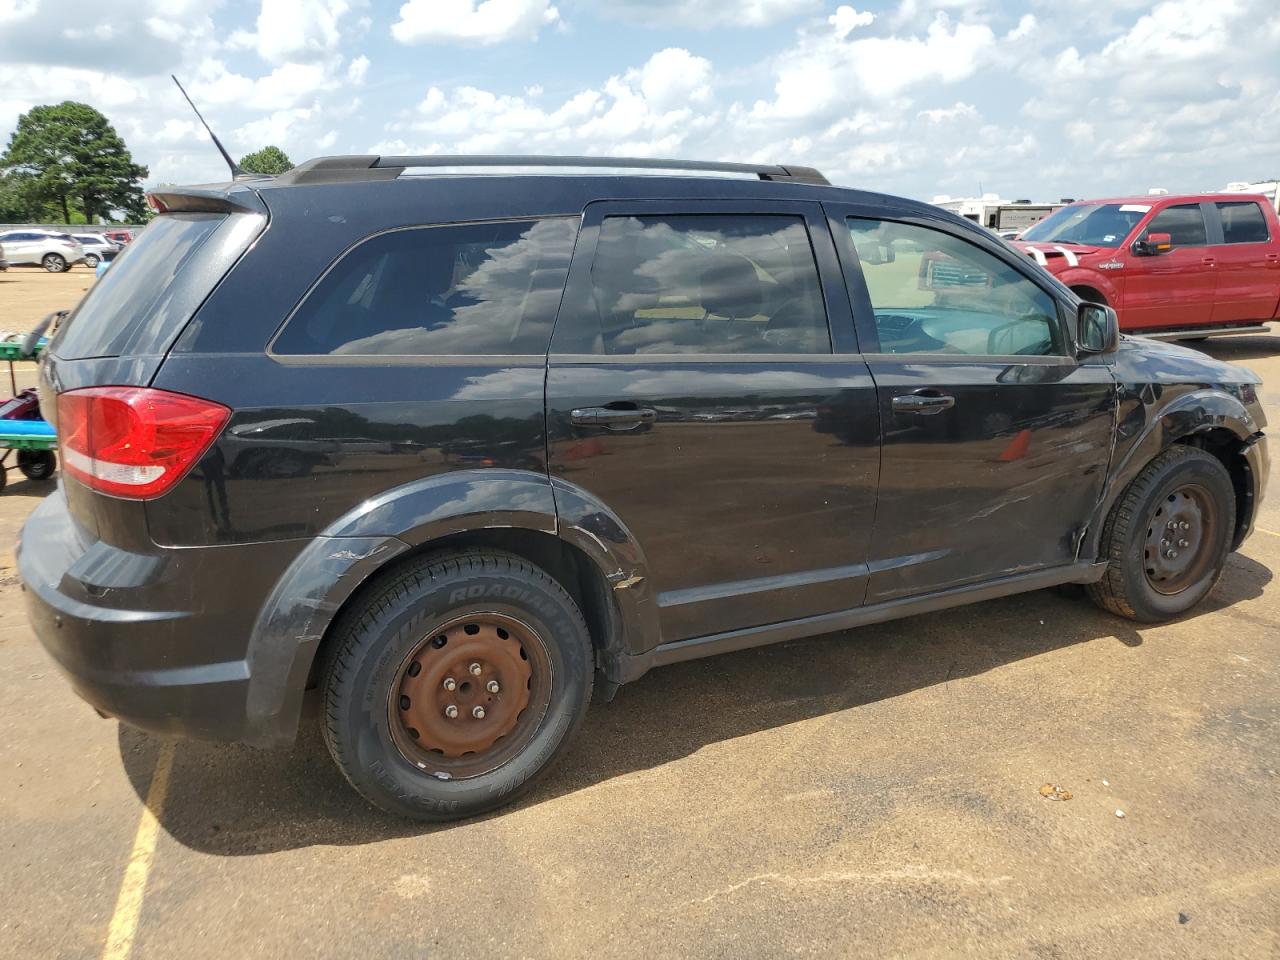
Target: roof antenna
236	172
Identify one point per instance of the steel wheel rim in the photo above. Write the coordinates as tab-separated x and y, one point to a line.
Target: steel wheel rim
470	742
1182	533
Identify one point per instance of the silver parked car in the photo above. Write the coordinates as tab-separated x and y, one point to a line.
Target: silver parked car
55	252
97	248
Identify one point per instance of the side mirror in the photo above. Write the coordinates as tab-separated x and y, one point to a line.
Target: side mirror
875	252
1097	328
1153	244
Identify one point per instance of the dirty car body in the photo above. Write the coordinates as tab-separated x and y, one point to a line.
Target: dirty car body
799	433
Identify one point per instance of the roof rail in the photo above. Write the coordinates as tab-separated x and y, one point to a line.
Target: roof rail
354	168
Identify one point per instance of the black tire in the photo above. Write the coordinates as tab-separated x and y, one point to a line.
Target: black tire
54	262
1132	586
386	628
91	260
37	464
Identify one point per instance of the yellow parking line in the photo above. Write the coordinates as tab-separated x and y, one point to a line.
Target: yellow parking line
1265	530
124	920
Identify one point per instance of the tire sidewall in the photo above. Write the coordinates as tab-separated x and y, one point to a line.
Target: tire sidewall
376	765
1148	602
53	263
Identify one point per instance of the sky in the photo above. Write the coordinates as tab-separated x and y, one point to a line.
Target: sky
918	98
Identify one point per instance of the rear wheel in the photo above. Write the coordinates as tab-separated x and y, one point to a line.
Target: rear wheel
454	684
1167	539
37	464
54	262
91	260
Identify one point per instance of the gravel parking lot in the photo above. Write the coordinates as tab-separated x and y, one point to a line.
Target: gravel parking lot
869	793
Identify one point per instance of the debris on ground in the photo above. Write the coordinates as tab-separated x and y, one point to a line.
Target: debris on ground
1051	791
1120	814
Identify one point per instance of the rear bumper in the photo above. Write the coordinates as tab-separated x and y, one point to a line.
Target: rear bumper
159	640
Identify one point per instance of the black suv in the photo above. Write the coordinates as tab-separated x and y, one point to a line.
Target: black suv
459	450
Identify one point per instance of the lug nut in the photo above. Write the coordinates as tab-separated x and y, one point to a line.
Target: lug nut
478	712
1173	524
492	686
450	683
1171	554
451	711
475	669
1164	542
1182	543
1184	525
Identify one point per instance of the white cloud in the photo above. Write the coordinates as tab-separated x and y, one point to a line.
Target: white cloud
295	29
470	22
846	20
705	14
674	77
961	110
358	69
827	71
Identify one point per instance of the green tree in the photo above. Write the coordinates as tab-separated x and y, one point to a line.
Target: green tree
271	160
73	155
19	200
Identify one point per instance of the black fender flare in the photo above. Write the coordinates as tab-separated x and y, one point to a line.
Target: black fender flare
326	573
1157	428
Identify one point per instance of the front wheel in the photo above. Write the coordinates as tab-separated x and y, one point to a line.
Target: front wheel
455	683
1167	538
54	263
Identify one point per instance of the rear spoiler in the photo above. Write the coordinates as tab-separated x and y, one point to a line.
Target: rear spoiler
204	200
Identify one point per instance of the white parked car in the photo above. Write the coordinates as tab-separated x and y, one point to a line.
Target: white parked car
97	248
55	252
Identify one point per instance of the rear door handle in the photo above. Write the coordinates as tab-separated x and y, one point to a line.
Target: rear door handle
923	401
1208	261
614	418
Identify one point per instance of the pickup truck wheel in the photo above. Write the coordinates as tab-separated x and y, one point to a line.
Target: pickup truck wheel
1168	537
453	685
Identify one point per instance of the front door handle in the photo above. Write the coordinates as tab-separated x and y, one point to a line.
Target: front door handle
1208	261
613	418
926	402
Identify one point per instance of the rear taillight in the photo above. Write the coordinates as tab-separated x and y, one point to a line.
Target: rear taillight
134	442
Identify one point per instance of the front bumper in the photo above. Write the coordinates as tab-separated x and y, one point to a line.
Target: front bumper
159	640
1258	459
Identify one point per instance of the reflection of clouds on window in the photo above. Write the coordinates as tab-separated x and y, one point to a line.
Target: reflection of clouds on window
708	284
473	289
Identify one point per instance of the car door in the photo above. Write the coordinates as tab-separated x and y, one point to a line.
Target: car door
1175	288
996	439
1247	263
697	391
18	247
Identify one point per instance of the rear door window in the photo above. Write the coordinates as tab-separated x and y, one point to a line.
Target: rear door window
1243	222
1184	222
486	289
708	284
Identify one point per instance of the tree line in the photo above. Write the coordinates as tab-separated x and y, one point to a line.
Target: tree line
66	162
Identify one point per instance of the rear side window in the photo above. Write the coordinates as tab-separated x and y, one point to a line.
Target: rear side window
1243	222
708	284
1184	223
139	301
472	289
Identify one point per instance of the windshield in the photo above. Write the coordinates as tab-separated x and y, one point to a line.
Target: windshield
1094	224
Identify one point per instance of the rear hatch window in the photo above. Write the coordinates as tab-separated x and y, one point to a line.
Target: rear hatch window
152	289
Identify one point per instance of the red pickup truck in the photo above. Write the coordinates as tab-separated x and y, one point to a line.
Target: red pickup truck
1175	267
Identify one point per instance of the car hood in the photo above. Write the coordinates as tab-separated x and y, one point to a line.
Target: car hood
1056	256
1157	361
